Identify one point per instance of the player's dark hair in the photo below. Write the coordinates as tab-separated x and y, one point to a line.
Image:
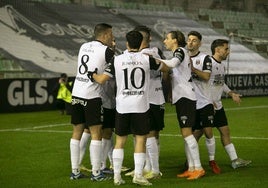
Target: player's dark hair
195	33
216	43
100	29
134	39
146	32
179	36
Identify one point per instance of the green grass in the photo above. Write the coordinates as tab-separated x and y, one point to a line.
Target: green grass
36	156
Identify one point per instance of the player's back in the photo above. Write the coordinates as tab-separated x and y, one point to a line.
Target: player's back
132	73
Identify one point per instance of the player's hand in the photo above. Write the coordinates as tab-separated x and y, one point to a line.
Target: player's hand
236	98
90	74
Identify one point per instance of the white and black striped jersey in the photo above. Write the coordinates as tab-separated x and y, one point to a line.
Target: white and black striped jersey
91	55
181	77
132	74
201	62
156	95
216	82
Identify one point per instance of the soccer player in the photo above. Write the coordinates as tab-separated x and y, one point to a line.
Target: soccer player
201	70
132	72
220	51
86	100
108	124
183	96
157	108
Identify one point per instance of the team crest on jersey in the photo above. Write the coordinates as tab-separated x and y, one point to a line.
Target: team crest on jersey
197	62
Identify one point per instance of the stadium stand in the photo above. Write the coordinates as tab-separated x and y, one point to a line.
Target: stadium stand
248	28
45	41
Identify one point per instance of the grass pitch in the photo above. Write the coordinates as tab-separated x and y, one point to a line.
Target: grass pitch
34	150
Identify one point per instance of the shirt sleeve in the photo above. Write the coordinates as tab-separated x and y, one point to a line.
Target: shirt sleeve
207	65
179	53
109	54
226	89
153	64
178	57
109	70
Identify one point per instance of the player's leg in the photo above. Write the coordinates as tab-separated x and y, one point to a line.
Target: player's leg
78	120
83	147
207	119
222	125
93	119
186	115
75	151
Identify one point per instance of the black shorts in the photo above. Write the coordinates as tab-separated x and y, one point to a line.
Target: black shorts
132	123
186	112
204	117
86	111
220	118
108	118
156	117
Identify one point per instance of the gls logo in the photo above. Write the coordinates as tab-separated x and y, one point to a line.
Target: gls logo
19	93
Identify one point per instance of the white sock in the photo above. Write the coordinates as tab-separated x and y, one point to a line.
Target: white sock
230	149
158	145
151	145
139	160
194	151
211	147
74	150
147	166
110	153
95	156
83	145
189	158
118	157
106	146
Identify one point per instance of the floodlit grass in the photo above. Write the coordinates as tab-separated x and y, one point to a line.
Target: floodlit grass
34	150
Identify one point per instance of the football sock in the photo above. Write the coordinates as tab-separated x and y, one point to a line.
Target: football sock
151	145
74	149
83	145
139	160
118	157
106	146
230	149
211	147
95	156
194	151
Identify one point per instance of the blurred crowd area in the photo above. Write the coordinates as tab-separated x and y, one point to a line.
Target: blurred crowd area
259	6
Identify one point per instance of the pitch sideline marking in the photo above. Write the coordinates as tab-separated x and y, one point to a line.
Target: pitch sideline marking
35	129
232	109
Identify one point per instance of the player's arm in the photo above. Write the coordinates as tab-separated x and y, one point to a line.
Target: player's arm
158	65
178	57
204	74
235	96
102	78
201	74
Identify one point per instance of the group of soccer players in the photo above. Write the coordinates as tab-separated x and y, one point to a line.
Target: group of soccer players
133	82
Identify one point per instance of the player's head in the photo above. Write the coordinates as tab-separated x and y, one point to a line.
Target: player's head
174	39
194	41
220	49
179	36
103	32
145	31
134	39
